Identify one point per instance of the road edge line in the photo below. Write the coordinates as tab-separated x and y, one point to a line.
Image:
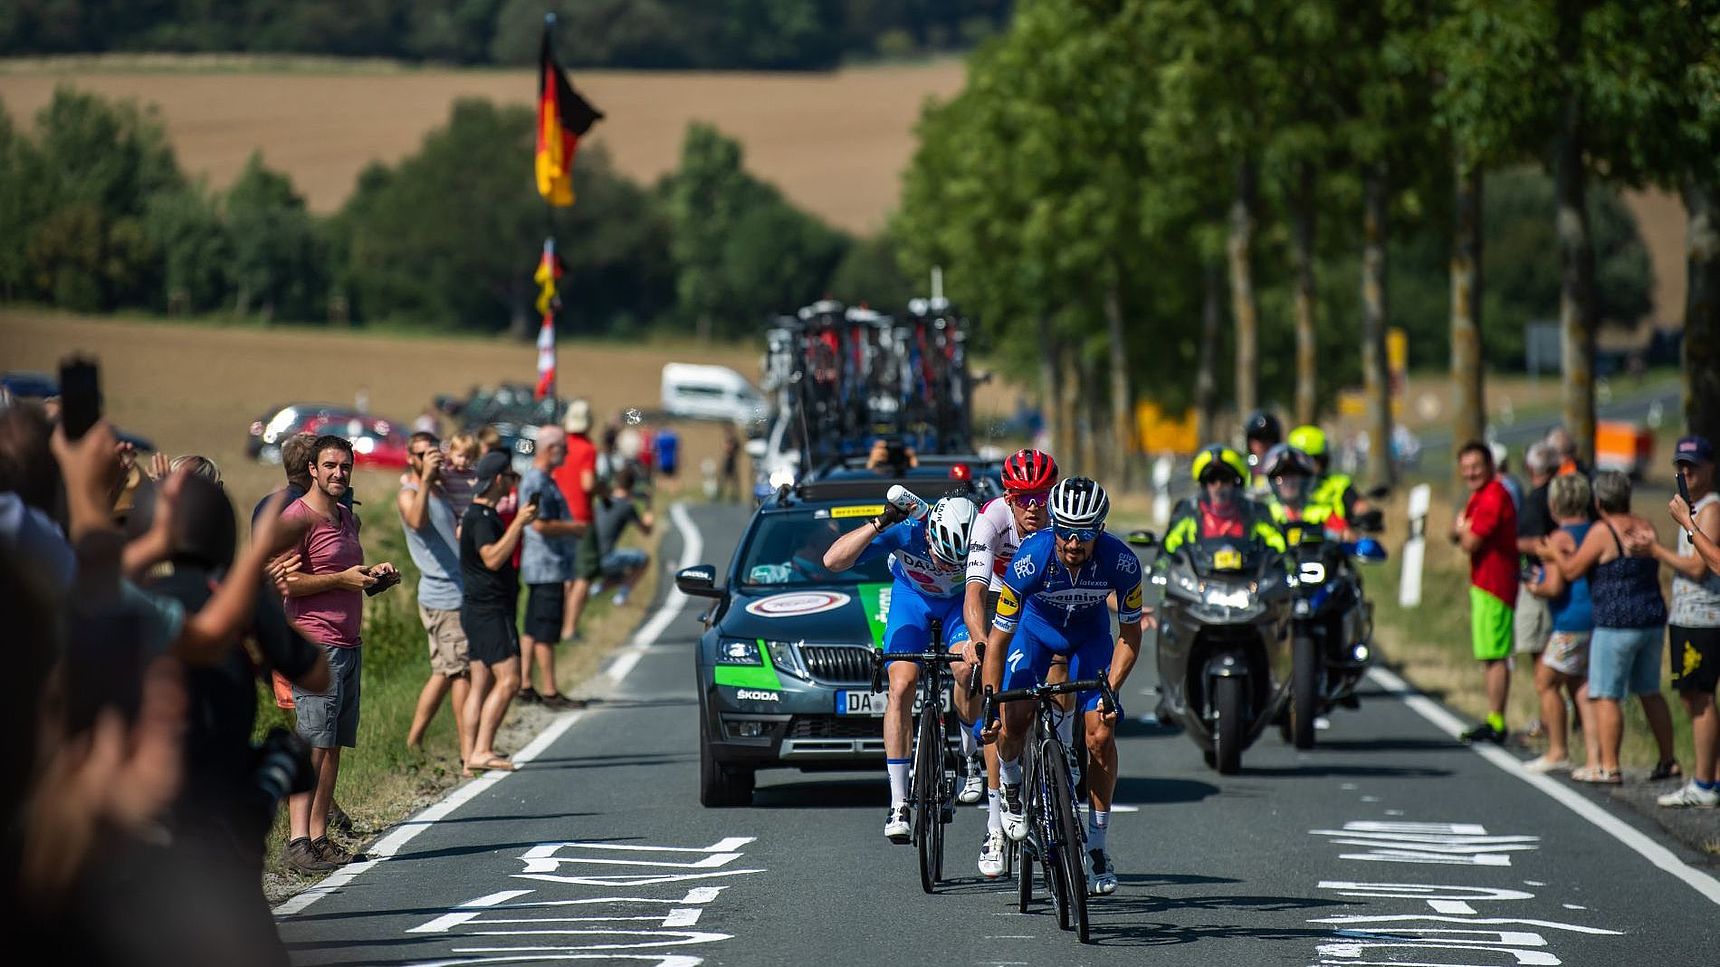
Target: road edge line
692	545
1442	719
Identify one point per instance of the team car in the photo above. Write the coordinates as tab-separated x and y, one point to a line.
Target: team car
784	667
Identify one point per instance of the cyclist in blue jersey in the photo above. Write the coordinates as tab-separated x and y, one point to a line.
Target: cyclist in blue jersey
928	558
1054	602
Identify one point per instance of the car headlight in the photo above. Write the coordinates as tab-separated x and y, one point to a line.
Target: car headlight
738	652
786	657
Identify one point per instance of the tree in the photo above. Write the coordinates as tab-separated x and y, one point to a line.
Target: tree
196	252
277	264
706	198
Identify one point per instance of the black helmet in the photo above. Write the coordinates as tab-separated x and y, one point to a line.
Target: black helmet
1263	427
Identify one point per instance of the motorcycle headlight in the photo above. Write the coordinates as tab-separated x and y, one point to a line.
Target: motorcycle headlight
1311	572
786	657
1302	608
738	652
1222	598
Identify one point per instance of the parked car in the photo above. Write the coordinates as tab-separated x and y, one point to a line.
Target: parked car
377	444
711	393
279	422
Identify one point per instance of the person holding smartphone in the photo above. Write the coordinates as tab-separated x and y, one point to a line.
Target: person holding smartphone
546	565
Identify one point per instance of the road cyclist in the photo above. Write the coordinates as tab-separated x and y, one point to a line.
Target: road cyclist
1054	602
928	558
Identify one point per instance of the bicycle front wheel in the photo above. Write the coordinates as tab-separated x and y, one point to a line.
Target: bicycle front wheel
928	823
1070	841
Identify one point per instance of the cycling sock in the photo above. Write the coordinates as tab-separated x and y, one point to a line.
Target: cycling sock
970	745
994	803
1098	821
1496	721
898	769
1066	729
1707	786
1009	770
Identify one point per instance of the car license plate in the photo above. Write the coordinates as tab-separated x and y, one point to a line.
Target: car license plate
874	703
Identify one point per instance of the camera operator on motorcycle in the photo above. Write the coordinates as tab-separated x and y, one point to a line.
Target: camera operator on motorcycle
1335	490
1261	432
928	558
1220	509
1054	602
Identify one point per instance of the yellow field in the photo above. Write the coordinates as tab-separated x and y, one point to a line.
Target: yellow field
835	143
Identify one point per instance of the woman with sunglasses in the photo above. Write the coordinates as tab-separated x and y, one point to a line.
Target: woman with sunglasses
1054	602
1003	524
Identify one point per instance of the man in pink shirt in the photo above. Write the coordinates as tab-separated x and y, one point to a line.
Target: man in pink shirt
326	603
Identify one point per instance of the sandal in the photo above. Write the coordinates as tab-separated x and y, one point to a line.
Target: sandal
1600	777
1666	770
494	762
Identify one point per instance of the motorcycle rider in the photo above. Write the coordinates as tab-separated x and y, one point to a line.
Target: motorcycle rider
928	559
1220	509
1054	602
1336	490
1003	524
1293	475
1261	432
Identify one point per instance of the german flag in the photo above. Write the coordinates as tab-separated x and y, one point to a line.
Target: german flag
563	116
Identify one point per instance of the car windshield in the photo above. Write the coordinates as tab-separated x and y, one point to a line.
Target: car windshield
787	550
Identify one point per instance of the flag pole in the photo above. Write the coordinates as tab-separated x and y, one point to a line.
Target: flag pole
554	256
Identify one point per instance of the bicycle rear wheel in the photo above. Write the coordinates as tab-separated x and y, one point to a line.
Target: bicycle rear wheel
928	824
1069	841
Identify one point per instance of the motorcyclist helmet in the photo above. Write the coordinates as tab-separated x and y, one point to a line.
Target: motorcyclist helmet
1291	472
950	525
1029	471
1215	461
1309	439
1263	427
1079	507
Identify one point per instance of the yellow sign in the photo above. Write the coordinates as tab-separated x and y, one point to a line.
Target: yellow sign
1160	432
1227	559
858	510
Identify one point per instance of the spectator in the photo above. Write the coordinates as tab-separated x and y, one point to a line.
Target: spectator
1533	623
428	421
324	600
546	567
487	611
1565	450
200	466
729	487
30	496
892	459
1563	667
1630	617
621	565
459	478
295	461
427	519
578	476
1487	532
1502	469
1694	625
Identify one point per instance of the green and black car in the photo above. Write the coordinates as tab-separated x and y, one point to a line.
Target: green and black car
785	664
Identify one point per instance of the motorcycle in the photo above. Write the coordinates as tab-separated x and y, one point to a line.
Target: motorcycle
1224	643
1332	627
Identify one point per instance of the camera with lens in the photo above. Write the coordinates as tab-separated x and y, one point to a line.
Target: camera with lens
284	765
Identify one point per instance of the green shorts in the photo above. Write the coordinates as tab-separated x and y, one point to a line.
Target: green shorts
1490	621
588	556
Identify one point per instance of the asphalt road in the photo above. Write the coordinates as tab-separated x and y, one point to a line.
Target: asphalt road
1390	843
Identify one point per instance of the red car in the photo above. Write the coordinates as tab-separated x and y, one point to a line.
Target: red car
377	444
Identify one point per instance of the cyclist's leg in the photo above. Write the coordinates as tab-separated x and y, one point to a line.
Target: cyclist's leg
1089	660
1026	664
1057	675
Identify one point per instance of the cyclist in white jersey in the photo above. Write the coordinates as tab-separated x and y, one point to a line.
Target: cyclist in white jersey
1028	476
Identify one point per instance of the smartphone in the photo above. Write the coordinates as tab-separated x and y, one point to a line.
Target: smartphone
383	583
80	396
537	498
1684	491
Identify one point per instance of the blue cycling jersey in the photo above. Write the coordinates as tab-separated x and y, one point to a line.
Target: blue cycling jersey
912	561
1038	586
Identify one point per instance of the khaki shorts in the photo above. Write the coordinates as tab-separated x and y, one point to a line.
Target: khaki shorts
1532	623
448	653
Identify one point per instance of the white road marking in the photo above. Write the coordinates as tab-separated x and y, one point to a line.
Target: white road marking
1649	849
692	545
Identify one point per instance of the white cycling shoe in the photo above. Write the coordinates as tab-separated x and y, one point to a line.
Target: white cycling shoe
973	787
1101	875
1013	811
991	855
897	828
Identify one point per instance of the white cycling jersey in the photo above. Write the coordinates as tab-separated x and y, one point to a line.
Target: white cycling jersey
992	545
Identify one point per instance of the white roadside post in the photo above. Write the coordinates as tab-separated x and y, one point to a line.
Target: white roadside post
1161	490
1409	589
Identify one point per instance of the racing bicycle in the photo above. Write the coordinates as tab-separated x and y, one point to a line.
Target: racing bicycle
1056	835
932	783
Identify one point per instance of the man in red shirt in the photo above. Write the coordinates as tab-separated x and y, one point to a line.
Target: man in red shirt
577	479
1487	531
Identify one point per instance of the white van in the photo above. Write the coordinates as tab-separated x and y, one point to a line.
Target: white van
710	393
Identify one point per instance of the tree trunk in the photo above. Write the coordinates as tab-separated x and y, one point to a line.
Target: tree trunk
1125	442
1469	411
1206	377
1101	460
1376	206
1050	388
1245	307
1302	259
1082	408
1702	311
1068	420
1576	283
702	327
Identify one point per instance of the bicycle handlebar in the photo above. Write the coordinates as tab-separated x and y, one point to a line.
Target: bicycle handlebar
1108	700
879	659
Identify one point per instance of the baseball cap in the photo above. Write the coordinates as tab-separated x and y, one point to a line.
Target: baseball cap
492	465
1693	449
578	418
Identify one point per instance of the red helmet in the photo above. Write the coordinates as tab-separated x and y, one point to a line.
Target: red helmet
1029	470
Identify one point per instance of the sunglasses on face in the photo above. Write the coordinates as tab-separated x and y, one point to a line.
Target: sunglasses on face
1075	533
1030	501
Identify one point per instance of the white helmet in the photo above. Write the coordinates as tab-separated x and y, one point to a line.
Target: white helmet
949	526
1079	502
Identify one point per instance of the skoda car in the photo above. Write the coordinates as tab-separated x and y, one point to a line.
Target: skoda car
785	664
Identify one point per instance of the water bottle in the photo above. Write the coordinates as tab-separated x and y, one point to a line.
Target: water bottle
907	503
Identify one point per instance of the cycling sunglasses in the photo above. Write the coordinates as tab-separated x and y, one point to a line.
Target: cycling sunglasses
1075	533
1030	500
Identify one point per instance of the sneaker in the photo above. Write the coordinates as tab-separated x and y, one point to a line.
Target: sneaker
1668	769
991	855
330	853
1101	875
897	829
301	857
973	788
620	598
338	820
1014	813
1483	733
561	703
1689	795
1542	765
528	696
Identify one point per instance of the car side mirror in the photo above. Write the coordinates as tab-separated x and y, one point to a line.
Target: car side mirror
755	448
1143	538
699	581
